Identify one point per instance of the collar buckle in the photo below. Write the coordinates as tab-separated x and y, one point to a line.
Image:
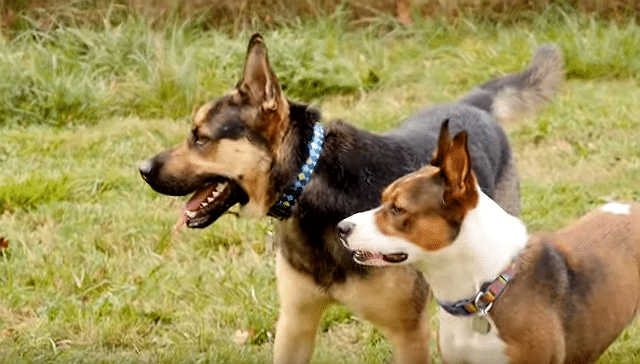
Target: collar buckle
483	308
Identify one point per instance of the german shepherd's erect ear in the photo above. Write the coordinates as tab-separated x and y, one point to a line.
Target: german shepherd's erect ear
259	87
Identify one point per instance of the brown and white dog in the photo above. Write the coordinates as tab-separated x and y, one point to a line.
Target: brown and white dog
254	146
563	297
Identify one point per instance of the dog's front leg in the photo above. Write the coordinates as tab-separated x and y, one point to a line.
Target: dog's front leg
394	299
301	306
411	344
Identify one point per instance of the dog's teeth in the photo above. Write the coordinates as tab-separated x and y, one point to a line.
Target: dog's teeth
209	199
204	204
190	214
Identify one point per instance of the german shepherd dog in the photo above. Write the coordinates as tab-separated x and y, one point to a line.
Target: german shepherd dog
253	145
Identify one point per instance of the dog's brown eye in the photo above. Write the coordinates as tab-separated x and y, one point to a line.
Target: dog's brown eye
200	141
395	210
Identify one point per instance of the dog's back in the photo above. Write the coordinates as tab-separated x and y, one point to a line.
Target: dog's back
580	285
603	275
505	100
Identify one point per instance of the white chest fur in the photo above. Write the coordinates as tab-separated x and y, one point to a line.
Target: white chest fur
488	241
459	344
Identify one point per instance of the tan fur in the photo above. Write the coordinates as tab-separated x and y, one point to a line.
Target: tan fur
413	207
237	159
384	298
302	303
604	247
404	204
201	115
260	84
242	158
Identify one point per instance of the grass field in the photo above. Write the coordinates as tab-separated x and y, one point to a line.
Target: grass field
89	269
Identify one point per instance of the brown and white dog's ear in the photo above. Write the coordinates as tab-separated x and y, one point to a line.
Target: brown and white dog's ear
443	144
259	83
459	180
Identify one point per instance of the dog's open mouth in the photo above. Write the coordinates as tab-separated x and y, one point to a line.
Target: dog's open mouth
210	202
378	259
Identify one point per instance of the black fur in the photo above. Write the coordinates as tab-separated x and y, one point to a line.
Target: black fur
354	167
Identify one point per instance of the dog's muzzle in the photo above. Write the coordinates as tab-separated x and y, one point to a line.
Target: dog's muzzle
345	229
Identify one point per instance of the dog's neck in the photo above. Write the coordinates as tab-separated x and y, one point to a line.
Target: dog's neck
283	207
489	239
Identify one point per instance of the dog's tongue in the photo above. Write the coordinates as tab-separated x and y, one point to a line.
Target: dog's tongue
378	259
196	200
368	258
209	203
192	204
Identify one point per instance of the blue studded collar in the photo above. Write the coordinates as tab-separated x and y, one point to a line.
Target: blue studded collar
282	209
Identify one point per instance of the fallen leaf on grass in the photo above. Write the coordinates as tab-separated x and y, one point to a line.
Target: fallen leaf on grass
9	333
4	244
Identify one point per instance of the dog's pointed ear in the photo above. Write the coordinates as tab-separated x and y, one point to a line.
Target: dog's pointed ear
443	144
259	84
458	176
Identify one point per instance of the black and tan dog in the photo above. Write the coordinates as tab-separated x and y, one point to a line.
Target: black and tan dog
257	148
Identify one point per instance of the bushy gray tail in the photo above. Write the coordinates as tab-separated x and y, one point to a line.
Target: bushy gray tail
515	96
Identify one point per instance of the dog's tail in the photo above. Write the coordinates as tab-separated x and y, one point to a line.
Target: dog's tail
517	95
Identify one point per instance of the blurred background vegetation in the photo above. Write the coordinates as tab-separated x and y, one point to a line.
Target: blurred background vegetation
70	62
236	14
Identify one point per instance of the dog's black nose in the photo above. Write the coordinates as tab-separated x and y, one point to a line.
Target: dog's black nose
344	229
145	168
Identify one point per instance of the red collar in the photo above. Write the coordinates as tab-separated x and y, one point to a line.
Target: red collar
482	302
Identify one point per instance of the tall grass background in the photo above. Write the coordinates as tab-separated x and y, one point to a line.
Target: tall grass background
89	269
77	72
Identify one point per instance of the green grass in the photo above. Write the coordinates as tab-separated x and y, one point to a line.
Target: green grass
80	75
93	273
